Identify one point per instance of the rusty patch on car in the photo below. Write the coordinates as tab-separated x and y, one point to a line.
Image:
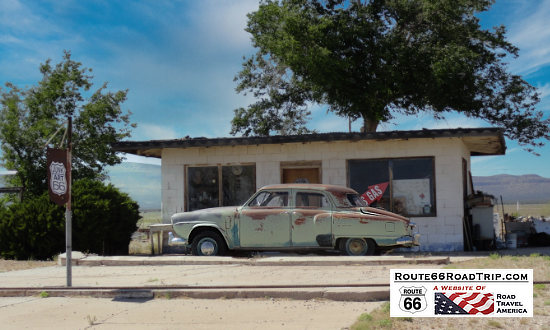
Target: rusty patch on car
300	221
308	213
262	213
362	217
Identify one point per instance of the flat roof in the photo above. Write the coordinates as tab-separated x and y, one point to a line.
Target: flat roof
480	141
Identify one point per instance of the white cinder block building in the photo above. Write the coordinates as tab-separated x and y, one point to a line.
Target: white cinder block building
424	174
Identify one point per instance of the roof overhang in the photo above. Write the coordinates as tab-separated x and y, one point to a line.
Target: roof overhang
480	141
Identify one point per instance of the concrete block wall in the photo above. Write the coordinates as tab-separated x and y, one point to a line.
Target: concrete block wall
440	233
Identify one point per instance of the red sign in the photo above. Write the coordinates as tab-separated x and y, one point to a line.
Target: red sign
374	192
57	175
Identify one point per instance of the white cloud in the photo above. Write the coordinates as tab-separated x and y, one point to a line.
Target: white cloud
531	34
221	24
154	132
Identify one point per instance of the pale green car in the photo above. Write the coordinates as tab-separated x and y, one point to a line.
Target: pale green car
295	217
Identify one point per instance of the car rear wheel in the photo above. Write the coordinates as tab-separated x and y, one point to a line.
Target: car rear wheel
359	247
208	243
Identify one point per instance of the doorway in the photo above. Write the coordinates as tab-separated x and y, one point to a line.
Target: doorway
301	173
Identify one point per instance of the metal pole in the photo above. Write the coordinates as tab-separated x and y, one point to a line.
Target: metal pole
68	214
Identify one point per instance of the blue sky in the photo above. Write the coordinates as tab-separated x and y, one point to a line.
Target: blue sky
178	60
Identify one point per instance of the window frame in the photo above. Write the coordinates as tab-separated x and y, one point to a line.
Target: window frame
272	192
433	188
323	195
220	181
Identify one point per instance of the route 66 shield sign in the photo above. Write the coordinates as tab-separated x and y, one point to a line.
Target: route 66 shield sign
413	299
57	175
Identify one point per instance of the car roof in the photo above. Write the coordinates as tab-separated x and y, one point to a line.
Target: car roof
312	186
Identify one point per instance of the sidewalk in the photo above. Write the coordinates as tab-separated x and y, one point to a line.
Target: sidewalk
295	277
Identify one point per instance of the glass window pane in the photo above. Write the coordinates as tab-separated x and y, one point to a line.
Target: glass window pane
239	183
202	187
270	199
413	186
366	173
311	200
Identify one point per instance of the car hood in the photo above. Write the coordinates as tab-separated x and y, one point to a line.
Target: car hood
211	214
377	211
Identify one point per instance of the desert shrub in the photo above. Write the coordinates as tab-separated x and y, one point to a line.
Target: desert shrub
33	229
103	220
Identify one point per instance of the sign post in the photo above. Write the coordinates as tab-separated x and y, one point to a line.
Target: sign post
59	187
68	213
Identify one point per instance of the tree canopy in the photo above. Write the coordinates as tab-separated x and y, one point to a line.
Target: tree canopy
373	59
29	117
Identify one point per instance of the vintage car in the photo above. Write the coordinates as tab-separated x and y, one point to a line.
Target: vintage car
295	217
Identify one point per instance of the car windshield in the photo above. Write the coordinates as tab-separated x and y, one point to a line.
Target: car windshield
354	200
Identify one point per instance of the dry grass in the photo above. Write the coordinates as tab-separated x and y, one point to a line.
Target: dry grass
535	210
149	218
140	244
540	264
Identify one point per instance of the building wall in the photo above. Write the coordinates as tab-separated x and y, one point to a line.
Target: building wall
440	233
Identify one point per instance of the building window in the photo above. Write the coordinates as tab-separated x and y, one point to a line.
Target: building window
402	185
213	186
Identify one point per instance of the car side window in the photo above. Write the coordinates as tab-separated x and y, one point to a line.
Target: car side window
270	199
311	200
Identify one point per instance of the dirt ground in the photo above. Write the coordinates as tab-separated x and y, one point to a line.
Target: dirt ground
102	313
268	313
10	265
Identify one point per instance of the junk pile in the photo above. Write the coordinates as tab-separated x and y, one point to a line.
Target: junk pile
526	231
486	230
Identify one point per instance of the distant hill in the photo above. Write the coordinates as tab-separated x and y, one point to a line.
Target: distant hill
141	181
528	188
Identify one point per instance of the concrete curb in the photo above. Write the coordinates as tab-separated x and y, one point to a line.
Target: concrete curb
269	261
339	294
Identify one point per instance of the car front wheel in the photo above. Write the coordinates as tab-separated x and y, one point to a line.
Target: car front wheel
208	243
359	247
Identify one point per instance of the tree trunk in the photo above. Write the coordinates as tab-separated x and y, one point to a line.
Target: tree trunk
369	125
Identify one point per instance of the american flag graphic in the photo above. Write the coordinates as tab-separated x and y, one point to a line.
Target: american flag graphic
464	303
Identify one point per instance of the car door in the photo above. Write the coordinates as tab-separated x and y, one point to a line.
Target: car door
265	221
311	220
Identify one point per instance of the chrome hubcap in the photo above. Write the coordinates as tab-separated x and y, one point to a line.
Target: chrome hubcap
207	248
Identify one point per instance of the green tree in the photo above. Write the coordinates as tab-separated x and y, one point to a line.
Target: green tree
282	104
28	117
103	222
376	58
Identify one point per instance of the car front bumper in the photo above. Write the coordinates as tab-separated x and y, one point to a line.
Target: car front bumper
408	240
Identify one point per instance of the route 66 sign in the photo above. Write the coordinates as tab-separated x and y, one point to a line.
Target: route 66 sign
57	175
413	299
58	179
